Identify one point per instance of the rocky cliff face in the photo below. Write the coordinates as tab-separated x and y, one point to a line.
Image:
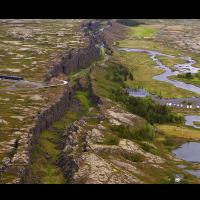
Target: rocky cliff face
74	59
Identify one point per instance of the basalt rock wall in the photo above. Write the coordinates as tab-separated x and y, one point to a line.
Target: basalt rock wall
74	59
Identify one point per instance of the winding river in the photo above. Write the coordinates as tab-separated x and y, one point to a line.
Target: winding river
180	68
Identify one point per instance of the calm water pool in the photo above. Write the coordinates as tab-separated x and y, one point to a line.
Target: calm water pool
189	151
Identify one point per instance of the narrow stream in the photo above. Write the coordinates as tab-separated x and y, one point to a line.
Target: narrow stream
181	68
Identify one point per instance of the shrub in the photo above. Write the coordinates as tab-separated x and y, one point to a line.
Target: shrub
169	142
145	147
135	157
126	132
148	148
147	108
111	139
119	73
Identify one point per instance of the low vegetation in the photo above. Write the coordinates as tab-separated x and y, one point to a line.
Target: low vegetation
136	157
127	132
145	107
179	131
143	31
111	139
188	78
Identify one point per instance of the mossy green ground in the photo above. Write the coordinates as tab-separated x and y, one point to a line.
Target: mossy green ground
143	31
44	168
83	98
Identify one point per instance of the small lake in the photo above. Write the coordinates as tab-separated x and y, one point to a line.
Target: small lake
189	151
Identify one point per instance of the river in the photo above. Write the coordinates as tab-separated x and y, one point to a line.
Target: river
180	68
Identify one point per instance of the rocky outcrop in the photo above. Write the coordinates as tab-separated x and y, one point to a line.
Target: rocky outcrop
86	158
112	33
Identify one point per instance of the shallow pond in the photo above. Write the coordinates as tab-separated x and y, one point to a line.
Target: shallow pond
189	151
193	172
